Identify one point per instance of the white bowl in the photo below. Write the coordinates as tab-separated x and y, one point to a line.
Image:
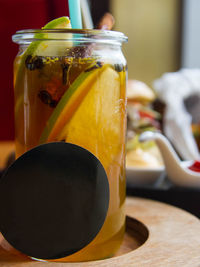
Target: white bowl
143	175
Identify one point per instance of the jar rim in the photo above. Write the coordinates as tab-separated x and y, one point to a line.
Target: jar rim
79	35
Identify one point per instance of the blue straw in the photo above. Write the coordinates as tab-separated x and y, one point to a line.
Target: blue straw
75	14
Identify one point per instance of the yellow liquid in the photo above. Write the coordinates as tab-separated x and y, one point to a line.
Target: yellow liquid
98	124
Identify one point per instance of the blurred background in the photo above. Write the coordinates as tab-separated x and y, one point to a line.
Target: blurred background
163	37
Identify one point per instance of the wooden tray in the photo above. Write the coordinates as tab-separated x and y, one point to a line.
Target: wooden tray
157	235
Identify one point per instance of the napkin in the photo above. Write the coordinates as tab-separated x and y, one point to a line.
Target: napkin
173	89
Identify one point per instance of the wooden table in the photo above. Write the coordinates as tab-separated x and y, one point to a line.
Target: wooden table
157	235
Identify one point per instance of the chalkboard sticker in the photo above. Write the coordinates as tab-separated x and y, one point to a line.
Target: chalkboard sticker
53	200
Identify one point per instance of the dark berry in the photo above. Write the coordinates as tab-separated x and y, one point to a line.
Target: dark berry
119	67
99	64
29	64
33	63
38	62
45	97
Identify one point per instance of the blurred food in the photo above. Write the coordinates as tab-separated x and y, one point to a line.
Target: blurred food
143	155
141	117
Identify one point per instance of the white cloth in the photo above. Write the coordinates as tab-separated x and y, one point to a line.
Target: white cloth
172	89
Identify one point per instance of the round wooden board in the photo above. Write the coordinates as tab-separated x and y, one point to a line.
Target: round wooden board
157	235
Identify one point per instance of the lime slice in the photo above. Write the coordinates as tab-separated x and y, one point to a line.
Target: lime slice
42	48
53	48
60	23
69	103
38	47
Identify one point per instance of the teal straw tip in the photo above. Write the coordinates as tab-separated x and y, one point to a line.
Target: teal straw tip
75	14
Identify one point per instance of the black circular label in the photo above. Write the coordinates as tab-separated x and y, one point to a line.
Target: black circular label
53	200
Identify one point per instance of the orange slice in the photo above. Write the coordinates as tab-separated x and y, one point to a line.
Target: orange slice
96	124
69	103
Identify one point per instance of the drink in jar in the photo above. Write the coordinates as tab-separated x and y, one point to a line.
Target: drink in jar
71	87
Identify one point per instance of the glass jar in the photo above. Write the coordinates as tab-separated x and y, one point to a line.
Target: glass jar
70	85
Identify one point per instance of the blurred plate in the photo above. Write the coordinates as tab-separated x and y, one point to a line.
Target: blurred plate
143	175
